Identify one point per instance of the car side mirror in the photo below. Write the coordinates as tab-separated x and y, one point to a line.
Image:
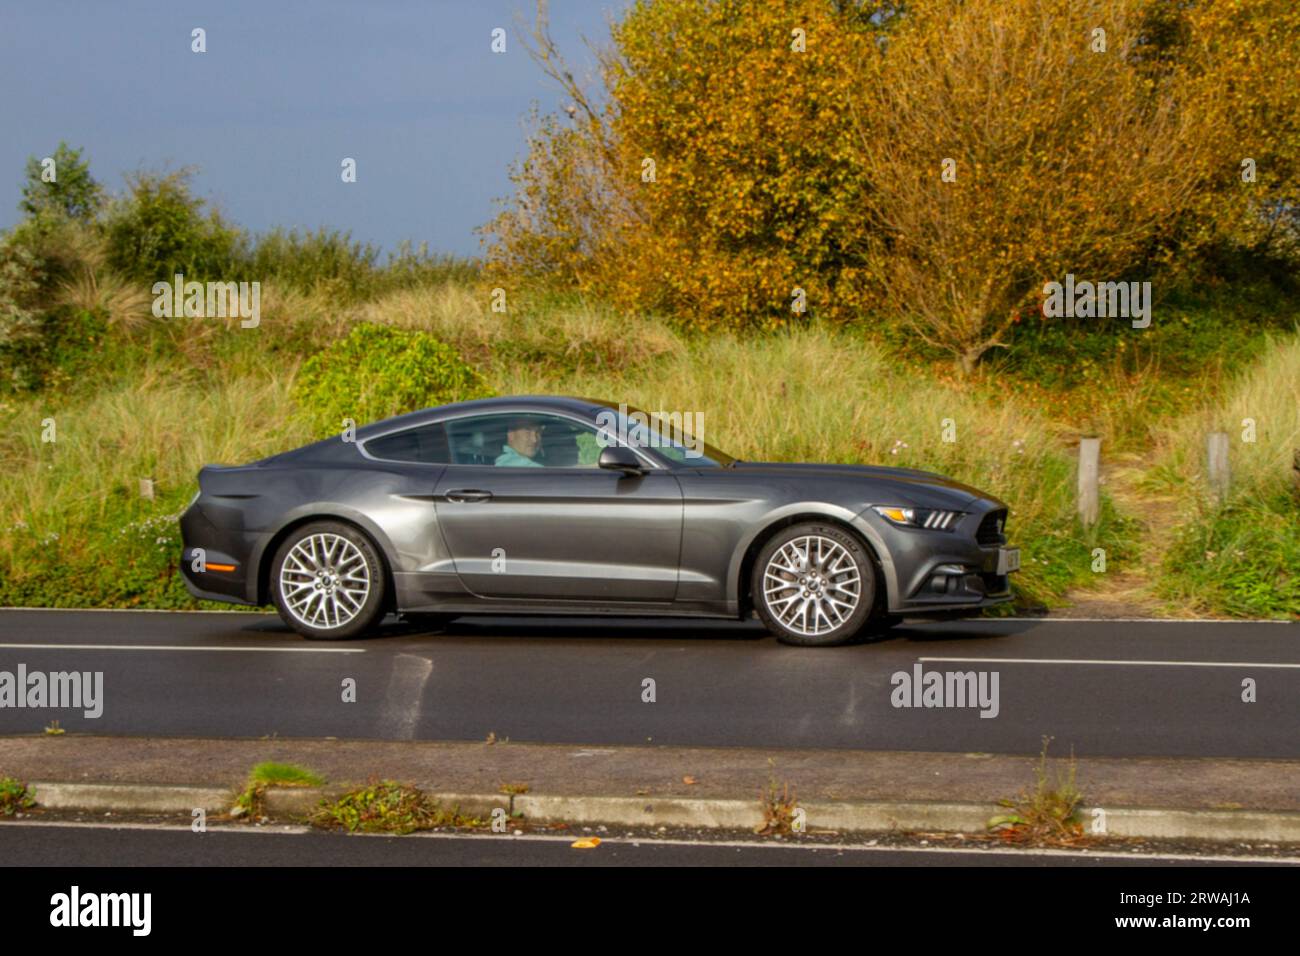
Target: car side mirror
619	458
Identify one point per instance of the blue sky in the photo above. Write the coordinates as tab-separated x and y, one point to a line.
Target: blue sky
285	91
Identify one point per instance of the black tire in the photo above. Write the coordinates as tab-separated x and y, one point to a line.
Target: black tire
824	593
368	610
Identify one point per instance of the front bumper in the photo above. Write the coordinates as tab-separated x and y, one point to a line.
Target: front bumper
939	572
965	592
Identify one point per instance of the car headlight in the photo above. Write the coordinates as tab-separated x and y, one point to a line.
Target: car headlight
930	518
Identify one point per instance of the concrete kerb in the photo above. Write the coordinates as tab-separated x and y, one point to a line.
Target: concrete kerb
130	797
865	817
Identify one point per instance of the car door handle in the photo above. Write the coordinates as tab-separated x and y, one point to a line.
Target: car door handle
468	494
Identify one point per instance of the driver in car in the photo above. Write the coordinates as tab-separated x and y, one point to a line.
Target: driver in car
523	440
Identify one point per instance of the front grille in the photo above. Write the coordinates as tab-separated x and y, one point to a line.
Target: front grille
990	529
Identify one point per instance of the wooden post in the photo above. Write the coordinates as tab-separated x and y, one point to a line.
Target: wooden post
1216	456
1089	466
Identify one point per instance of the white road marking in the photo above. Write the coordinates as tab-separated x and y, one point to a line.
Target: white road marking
96	825
290	830
1120	620
181	647
1063	660
131	610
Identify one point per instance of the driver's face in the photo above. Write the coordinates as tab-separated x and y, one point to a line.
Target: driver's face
525	439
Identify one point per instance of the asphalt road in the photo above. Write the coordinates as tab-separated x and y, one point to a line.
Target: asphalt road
1104	688
109	846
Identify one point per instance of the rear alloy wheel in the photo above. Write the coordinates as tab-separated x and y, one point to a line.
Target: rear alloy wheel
814	585
327	581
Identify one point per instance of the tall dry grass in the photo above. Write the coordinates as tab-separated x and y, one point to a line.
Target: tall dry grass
812	394
1267	394
1240	555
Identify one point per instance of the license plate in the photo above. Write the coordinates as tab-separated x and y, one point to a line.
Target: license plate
1008	560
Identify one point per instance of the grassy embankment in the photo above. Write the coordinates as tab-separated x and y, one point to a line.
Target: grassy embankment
162	398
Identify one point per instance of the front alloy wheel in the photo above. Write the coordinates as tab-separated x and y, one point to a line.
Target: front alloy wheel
814	585
327	581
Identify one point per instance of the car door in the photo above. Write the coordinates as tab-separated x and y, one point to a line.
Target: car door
541	521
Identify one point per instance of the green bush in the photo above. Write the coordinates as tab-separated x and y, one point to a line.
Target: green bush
377	371
14	797
389	807
73	193
20	323
305	260
47	336
46	568
158	228
1242	559
330	261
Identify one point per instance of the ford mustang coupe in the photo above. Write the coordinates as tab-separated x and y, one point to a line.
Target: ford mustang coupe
547	505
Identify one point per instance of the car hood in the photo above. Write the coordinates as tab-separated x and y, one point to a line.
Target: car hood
903	477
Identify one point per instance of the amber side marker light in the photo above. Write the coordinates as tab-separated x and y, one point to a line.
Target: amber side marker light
221	567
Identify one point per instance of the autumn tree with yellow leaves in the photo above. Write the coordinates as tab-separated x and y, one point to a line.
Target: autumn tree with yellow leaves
1008	143
713	178
745	163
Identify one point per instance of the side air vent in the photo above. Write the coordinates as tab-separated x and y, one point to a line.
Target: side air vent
991	528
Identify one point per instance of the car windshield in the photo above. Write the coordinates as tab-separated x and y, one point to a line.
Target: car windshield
671	434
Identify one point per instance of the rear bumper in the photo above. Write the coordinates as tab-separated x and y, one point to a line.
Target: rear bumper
216	564
203	594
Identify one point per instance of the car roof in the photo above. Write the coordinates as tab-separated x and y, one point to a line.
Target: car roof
567	403
332	449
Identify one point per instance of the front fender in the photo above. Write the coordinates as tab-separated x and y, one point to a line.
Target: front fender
811	511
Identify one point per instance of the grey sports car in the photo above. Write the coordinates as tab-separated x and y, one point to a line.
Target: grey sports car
547	505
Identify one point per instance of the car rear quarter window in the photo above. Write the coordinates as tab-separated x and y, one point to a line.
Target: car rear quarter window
426	444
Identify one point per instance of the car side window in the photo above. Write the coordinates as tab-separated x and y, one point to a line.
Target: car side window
426	445
523	440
